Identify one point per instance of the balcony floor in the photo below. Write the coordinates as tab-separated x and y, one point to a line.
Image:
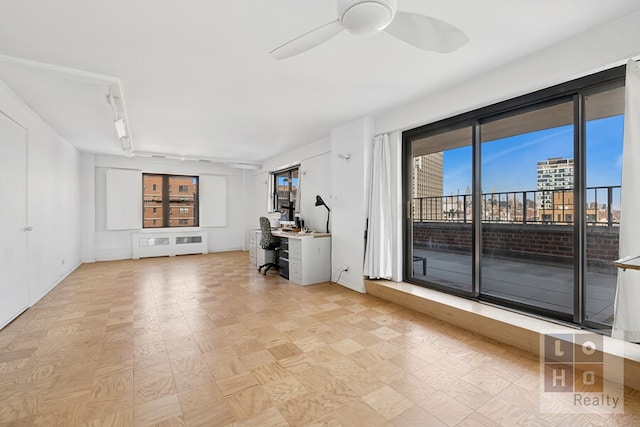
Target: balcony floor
533	283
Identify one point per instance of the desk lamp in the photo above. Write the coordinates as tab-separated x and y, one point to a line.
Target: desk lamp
320	202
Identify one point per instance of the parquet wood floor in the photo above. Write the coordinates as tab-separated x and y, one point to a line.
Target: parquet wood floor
207	341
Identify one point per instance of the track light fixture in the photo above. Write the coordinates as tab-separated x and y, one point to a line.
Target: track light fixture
120	128
120	124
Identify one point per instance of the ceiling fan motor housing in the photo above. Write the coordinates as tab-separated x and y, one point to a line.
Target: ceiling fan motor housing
365	17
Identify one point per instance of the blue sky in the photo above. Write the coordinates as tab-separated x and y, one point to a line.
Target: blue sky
510	164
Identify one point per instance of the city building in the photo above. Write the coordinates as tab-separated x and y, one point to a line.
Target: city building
427	186
427	175
178	205
559	209
553	174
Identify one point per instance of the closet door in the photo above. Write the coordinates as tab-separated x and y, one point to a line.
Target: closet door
14	296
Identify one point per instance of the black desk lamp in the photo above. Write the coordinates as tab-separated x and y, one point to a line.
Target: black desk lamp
320	202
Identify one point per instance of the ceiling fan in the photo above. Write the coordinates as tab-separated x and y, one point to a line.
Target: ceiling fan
367	17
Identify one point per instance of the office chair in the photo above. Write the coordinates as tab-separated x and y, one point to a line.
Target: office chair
270	243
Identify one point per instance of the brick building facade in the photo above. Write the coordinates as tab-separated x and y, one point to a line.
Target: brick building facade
170	201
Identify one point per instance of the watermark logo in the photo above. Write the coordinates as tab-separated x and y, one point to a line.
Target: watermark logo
578	375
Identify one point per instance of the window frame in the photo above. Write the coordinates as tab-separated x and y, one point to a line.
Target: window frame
166	202
576	89
273	193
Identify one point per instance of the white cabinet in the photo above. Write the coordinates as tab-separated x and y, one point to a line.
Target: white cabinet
310	260
309	256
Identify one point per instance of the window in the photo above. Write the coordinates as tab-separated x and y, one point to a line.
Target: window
604	110
161	209
285	193
514	146
442	206
518	203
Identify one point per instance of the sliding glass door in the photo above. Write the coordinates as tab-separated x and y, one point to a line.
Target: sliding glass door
518	203
527	170
604	110
441	209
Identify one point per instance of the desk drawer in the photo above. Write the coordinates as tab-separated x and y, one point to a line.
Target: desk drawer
284	243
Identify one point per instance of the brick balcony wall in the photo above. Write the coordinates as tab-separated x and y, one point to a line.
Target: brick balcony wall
530	241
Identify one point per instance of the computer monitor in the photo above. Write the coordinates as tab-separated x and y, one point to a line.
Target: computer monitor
274	219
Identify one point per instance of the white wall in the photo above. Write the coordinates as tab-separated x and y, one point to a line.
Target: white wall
88	211
349	199
314	162
595	50
248	204
315	182
112	245
53	202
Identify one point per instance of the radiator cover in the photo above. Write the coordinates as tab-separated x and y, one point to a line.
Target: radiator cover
168	243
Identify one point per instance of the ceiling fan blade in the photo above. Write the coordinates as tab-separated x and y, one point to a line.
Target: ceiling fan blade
308	40
426	33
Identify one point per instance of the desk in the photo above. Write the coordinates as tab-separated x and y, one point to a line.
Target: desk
309	255
298	235
631	262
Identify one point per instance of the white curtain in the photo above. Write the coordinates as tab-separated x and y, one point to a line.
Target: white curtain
626	322
377	259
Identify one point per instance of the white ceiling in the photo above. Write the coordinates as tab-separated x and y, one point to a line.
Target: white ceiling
197	80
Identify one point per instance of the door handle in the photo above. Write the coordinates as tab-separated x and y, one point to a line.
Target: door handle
29	228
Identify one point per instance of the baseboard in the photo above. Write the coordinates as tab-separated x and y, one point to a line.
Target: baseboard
56	283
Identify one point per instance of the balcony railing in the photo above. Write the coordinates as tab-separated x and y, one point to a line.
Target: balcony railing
522	207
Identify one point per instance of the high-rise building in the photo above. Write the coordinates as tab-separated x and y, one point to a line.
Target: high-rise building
428	185
427	175
555	173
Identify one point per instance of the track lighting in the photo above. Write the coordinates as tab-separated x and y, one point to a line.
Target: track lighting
119	123
120	128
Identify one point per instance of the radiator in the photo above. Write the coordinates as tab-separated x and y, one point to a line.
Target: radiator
150	244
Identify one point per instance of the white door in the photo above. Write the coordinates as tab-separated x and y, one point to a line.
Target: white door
14	294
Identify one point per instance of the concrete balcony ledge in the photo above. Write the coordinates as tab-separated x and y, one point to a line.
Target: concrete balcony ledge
519	330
